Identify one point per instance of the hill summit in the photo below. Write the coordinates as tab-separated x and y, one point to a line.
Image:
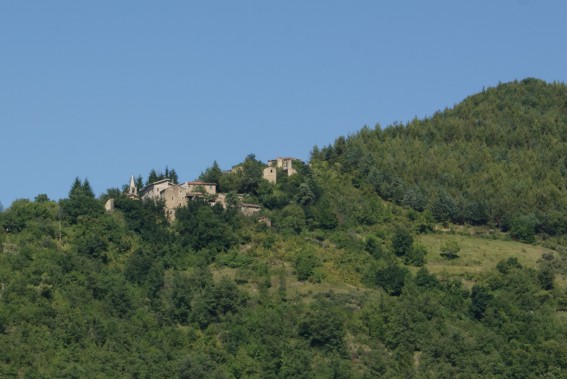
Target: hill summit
497	158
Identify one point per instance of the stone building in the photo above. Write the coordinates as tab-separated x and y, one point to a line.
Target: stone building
286	164
132	189
153	190
270	174
177	195
200	187
173	197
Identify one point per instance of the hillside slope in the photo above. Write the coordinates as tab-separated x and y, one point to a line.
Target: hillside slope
496	158
363	270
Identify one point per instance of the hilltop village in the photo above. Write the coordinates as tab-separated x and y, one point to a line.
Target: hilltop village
176	195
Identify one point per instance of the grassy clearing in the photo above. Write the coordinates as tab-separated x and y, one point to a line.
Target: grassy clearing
477	255
560	282
341	270
307	290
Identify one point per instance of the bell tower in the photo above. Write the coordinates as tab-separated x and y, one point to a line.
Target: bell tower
132	189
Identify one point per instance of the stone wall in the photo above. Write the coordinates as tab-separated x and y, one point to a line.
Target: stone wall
210	188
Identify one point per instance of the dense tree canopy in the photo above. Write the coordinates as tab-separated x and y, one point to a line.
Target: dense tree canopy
155	176
498	158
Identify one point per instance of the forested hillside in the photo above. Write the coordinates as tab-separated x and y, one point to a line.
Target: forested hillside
435	249
497	158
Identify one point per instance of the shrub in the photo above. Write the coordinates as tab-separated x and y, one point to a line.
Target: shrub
401	242
450	249
305	264
522	228
416	256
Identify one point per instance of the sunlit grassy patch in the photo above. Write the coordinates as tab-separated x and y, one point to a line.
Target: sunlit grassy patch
476	255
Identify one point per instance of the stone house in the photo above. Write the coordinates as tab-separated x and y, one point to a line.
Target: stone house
153	190
173	197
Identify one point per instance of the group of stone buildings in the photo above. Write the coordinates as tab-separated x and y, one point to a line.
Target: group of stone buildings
285	164
178	195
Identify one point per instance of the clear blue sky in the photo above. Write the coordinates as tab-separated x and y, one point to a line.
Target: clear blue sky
106	89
